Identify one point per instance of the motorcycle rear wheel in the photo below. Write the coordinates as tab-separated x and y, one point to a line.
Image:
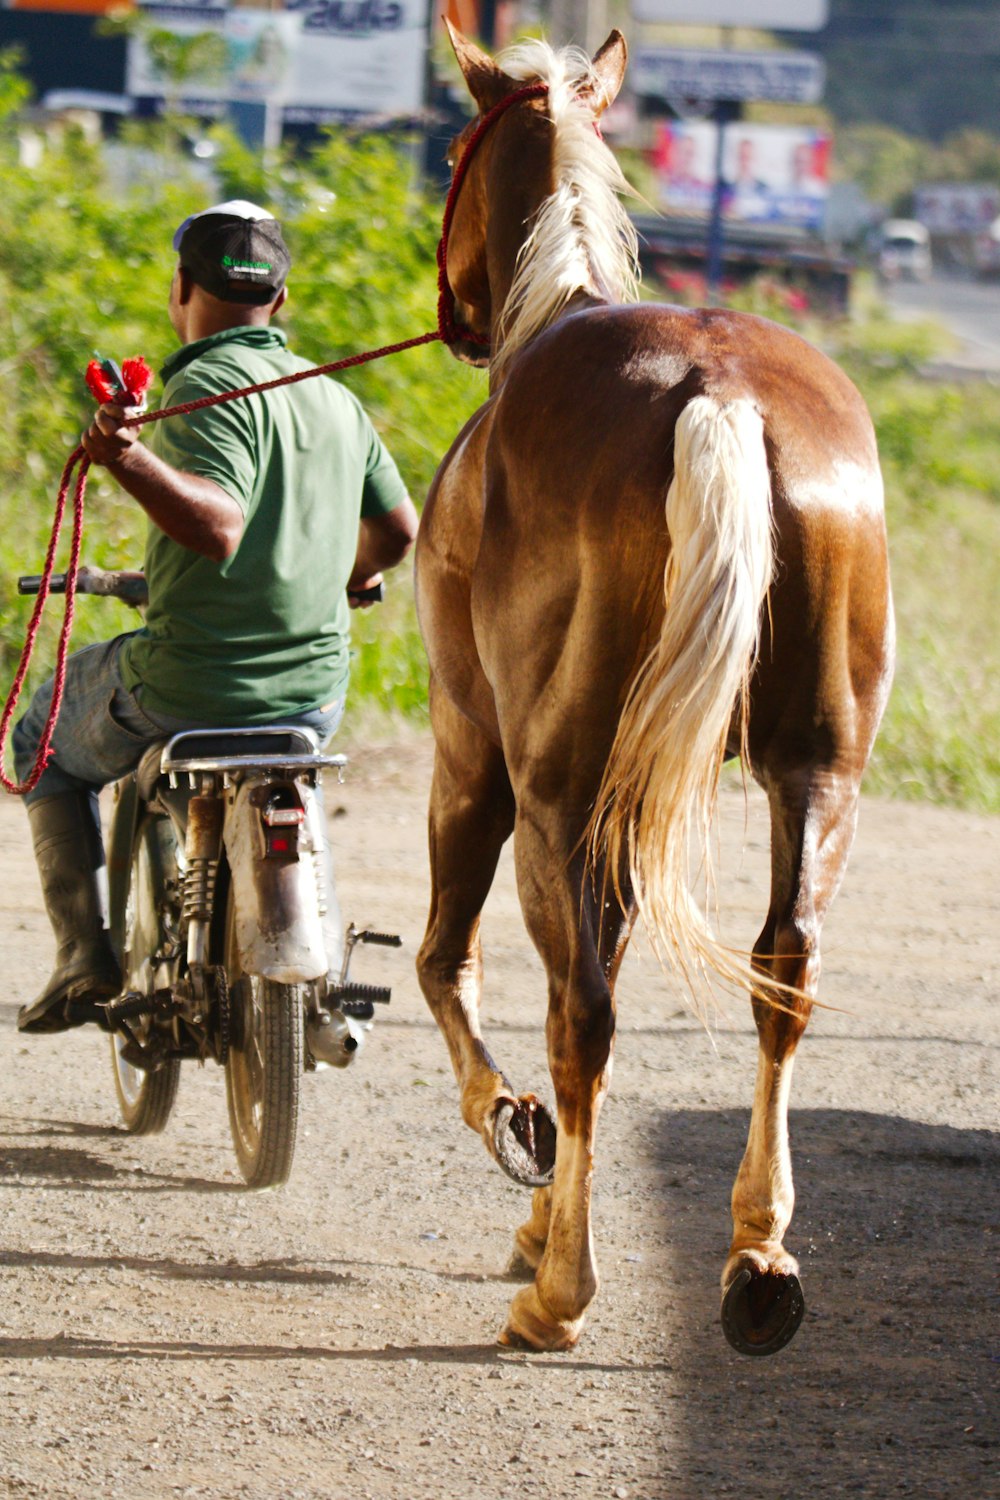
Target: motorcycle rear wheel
263	1068
145	1099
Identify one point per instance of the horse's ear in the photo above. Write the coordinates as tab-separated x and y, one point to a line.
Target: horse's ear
487	83
610	62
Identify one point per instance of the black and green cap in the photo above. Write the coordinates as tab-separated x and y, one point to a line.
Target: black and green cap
235	251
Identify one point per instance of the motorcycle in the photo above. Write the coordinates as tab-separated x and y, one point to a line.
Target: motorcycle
224	918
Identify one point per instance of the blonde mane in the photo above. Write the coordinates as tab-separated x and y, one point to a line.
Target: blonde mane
581	239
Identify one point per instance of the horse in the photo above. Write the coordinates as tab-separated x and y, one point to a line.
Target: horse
659	543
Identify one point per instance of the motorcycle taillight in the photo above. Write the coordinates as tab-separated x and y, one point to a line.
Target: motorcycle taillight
281	843
281	817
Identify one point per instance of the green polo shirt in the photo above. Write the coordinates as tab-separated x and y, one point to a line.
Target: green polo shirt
266	632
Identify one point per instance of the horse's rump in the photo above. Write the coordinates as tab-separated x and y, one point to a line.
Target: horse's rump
657	797
630	465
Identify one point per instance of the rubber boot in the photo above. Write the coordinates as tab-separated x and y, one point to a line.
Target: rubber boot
69	853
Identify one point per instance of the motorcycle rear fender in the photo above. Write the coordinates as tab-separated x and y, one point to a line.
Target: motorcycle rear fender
279	934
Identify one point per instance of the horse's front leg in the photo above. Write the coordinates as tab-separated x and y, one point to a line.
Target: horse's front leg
581	968
812	827
471	815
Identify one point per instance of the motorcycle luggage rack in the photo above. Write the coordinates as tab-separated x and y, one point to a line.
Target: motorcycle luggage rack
227	751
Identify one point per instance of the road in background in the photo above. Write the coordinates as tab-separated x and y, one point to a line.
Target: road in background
970	310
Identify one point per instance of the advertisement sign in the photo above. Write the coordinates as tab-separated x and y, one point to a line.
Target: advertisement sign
957	207
777	15
688	73
69	7
361	55
318	59
772	174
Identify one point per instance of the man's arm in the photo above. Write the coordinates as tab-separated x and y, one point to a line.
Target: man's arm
195	512
383	541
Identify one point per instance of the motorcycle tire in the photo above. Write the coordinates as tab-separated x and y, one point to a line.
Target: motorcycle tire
145	1099
263	1068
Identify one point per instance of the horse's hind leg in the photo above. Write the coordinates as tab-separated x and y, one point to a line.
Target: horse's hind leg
471	816
813	817
581	941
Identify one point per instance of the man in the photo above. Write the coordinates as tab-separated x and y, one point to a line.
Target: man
745	195
264	513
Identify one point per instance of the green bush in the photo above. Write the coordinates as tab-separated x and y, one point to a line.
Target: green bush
85	264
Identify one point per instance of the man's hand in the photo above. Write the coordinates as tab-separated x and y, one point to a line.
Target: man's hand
109	438
193	511
358	586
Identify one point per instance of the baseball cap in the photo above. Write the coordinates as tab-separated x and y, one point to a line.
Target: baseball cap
235	251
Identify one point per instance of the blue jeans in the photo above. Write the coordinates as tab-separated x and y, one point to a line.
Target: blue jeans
103	728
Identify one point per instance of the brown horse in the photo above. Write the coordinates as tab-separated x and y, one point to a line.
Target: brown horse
659	542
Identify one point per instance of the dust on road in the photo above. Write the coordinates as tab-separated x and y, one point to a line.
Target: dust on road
165	1333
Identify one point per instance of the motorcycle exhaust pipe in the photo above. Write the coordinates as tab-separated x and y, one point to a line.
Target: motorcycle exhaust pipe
333	1038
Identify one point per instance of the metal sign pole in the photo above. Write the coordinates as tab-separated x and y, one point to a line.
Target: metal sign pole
721	114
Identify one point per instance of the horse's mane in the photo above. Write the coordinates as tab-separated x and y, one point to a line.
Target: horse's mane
581	238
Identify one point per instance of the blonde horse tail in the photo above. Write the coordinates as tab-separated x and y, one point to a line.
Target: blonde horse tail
657	799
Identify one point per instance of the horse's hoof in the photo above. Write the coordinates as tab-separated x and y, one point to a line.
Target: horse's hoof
524	1141
761	1310
529	1326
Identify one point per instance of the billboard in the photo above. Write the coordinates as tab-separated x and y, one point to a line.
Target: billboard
772	174
70	7
776	15
688	73
956	207
317	59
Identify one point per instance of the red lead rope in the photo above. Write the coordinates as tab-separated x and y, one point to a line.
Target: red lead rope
448	332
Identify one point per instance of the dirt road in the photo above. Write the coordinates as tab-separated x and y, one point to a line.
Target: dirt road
164	1333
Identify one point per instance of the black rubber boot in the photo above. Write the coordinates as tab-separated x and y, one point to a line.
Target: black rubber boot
69	853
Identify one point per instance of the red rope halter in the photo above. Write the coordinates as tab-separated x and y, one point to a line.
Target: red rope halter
448	331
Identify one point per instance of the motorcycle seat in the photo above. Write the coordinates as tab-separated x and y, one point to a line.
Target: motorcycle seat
263	743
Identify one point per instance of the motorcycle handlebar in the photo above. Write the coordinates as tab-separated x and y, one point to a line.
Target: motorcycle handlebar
118	584
131	586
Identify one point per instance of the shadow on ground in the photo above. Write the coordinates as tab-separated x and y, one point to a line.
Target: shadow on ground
888	1389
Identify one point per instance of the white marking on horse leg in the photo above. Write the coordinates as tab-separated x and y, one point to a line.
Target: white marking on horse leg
567	1277
453	994
550	1313
763	1195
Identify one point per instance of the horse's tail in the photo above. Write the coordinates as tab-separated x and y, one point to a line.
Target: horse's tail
657	799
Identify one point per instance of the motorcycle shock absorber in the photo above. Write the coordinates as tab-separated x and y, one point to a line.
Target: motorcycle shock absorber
202	847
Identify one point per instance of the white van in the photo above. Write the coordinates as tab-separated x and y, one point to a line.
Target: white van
904	251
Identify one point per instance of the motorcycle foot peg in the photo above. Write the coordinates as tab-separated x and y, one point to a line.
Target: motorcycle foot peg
380	939
127	1008
350	994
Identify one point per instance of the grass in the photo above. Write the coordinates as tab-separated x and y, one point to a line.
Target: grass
940	452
